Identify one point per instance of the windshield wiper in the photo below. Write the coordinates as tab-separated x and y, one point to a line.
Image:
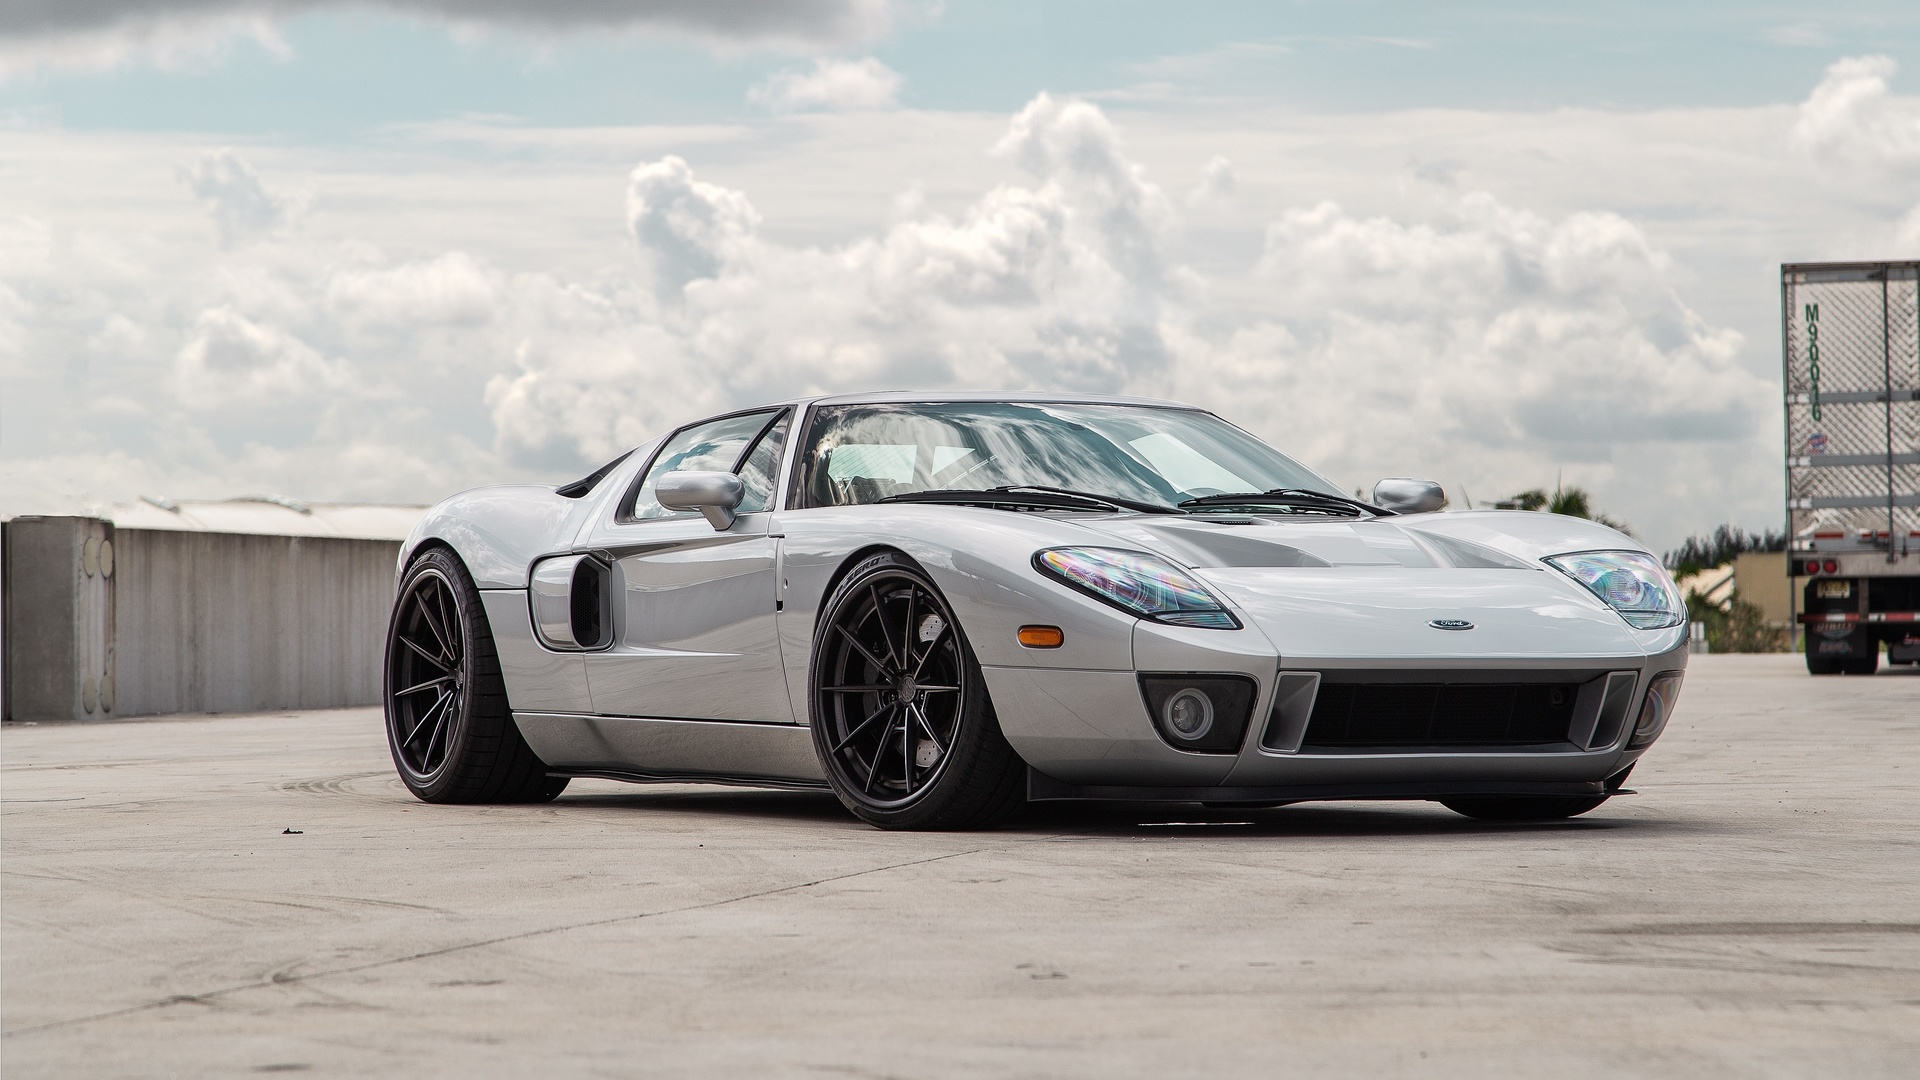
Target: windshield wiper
1030	495
1298	498
1111	500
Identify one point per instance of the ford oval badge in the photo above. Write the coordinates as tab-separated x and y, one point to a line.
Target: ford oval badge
1450	624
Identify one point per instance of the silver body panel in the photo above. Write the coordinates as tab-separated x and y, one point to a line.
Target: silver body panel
537	677
707	675
694	633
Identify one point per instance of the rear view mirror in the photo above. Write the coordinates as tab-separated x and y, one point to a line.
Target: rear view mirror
714	494
1405	495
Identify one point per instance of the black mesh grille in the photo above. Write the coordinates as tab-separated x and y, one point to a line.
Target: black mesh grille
1439	715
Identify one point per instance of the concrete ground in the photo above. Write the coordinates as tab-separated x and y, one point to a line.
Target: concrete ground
1755	911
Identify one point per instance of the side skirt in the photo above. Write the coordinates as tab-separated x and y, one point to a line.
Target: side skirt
656	750
630	777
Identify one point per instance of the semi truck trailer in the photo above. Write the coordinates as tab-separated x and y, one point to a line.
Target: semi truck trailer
1852	382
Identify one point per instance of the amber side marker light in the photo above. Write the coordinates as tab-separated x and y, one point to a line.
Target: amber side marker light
1042	637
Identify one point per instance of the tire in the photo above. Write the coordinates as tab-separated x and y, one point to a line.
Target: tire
1522	807
1822	665
891	667
1862	665
451	734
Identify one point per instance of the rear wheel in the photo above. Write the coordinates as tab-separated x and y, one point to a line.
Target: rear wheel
1842	650
1522	807
901	719
1862	665
448	726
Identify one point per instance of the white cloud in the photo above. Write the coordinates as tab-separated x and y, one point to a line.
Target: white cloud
453	289
1907	233
685	228
1471	345
189	41
1854	115
13	328
1235	54
831	84
232	360
1801	35
243	207
448	316
1061	283
1453	345
1217	182
97	35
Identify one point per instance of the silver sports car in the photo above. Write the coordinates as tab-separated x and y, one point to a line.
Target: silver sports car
943	606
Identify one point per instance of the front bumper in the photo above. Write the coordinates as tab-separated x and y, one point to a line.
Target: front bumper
1087	734
1044	788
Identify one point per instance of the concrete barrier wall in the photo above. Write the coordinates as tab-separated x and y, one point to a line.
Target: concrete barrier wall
190	621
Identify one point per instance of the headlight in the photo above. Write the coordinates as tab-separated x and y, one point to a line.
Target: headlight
1633	584
1139	584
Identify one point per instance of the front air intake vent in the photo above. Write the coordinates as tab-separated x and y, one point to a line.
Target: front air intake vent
1415	717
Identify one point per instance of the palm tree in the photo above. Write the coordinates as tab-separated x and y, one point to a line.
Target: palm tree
1571	501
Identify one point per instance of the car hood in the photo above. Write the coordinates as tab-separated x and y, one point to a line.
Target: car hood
1442	613
1388	588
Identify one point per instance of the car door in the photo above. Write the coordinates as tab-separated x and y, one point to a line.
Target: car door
693	607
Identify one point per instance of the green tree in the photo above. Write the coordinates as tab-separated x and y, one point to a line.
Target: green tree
1719	548
1571	501
1736	627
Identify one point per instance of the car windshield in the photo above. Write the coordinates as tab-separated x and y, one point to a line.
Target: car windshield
858	454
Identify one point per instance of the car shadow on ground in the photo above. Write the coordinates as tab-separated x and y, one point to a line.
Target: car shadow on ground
1094	820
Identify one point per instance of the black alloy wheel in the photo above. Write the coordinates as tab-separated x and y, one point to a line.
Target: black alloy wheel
900	714
448	725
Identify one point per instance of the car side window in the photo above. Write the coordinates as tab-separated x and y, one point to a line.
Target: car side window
762	464
714	444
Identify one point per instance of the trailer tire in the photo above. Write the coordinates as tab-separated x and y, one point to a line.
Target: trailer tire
1865	665
1821	665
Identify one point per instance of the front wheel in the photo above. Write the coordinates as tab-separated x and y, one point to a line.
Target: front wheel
1522	807
901	719
448	726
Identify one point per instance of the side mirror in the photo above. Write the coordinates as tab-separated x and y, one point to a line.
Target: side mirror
1405	495
714	494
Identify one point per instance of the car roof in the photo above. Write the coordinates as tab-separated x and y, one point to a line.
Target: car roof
878	397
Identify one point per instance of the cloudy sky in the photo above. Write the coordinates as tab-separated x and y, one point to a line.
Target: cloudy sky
382	251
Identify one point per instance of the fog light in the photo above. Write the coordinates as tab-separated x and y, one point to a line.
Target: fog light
1189	714
1199	713
1662	693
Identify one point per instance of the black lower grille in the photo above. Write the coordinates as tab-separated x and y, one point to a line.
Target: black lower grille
1445	716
